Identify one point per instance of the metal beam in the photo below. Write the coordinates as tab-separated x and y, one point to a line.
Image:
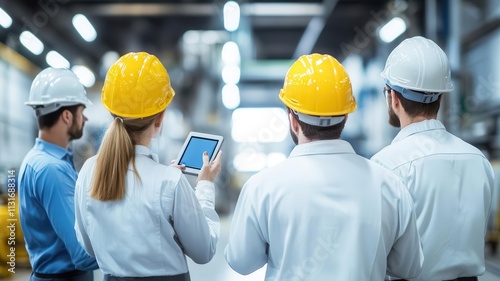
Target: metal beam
199	9
314	29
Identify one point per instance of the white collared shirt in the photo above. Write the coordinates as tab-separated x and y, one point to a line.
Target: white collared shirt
324	214
451	183
147	233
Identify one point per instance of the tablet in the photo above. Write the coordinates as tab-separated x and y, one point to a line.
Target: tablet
191	153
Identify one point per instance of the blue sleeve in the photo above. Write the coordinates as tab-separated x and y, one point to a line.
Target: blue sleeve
57	197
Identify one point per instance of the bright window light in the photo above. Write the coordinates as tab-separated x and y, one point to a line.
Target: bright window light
191	37
231	16
84	27
56	60
230	53
250	161
31	42
86	76
230	96
392	29
231	74
5	19
260	124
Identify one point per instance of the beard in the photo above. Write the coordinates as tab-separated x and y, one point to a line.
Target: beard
74	132
393	118
294	137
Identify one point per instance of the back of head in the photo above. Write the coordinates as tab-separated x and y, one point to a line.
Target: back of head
54	88
318	85
418	69
136	91
317	89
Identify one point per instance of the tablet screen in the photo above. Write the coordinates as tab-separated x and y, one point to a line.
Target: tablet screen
192	156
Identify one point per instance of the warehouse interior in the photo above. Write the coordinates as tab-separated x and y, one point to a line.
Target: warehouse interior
227	78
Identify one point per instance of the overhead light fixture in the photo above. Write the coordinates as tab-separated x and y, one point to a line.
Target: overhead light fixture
85	75
31	42
56	60
392	29
231	13
5	19
230	53
231	74
84	27
230	96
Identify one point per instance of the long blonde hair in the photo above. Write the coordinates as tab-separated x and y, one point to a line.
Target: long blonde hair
114	157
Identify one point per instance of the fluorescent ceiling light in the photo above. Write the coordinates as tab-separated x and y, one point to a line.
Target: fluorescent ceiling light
231	74
231	16
56	60
230	96
84	27
85	75
392	29
283	9
31	42
5	19
230	54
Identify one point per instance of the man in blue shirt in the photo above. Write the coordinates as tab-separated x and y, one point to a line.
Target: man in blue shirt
47	180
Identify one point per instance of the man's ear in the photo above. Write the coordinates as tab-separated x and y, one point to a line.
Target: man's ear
395	102
294	124
67	117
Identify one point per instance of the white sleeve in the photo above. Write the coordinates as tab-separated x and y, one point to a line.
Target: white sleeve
80	214
195	221
406	256
246	250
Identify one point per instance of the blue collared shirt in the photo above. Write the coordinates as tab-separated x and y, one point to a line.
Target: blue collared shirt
46	191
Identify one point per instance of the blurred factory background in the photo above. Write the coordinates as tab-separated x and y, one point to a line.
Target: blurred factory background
227	62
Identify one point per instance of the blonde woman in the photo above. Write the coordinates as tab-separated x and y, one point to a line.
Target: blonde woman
140	218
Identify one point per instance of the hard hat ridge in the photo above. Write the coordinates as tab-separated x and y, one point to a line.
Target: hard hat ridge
318	89
137	86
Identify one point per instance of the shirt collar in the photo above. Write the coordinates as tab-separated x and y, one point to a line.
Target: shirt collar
417	127
143	150
322	147
52	149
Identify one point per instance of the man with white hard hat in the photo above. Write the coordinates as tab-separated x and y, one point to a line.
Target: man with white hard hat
47	180
451	182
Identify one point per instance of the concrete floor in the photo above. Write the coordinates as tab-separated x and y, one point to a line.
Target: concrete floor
218	270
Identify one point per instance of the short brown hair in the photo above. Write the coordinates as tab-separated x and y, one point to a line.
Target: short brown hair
414	109
48	120
320	133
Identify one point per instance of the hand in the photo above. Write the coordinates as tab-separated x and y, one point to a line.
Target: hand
210	171
181	167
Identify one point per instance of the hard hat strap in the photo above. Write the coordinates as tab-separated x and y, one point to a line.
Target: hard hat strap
320	121
413	95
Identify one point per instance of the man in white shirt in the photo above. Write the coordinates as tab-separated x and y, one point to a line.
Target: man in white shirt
450	181
325	213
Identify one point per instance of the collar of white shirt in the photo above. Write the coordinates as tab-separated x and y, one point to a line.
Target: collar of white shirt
142	150
322	147
417	127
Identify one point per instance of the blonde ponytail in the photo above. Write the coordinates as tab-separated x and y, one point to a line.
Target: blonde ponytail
113	159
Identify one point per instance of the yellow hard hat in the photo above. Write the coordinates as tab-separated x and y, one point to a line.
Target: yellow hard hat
137	86
318	85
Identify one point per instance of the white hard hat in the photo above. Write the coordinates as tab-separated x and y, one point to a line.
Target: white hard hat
54	88
418	65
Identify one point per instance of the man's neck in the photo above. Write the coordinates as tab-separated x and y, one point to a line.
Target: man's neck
54	137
